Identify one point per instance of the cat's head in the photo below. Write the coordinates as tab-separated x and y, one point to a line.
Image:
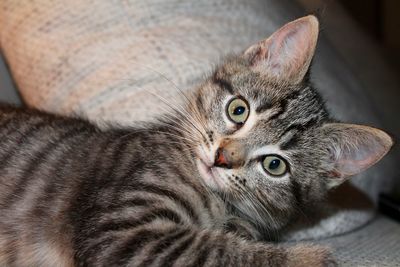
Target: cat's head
264	138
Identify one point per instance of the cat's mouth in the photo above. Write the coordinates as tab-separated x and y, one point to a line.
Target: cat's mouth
210	175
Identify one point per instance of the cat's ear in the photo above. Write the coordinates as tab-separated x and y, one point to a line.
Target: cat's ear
287	53
353	148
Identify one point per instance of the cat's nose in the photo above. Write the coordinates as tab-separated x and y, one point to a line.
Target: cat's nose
221	160
229	155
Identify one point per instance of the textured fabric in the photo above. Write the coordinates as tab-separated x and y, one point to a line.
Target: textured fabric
376	244
347	208
107	59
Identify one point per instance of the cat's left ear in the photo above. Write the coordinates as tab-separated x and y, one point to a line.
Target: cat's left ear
287	53
353	149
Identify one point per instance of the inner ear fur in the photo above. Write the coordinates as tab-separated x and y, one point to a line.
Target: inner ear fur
354	148
287	54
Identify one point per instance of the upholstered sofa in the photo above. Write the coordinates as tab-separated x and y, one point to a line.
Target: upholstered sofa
100	59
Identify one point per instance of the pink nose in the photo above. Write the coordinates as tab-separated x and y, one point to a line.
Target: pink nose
221	160
230	154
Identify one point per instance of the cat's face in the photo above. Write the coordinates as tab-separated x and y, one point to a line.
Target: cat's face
265	140
261	145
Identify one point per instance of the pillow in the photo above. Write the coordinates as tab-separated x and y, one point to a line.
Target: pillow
117	60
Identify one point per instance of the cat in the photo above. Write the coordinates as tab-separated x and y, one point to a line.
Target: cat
204	186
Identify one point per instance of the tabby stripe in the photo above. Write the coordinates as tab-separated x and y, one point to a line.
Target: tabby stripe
152	215
117	150
90	187
116	181
295	126
137	201
203	250
121	184
82	208
81	211
175	253
222	257
224	84
162	245
283	104
50	190
94	169
282	109
92	248
38	159
7	155
106	165
124	253
289	144
204	198
263	107
299	128
163	192
121	206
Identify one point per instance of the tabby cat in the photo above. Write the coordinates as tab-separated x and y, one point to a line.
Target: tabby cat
205	186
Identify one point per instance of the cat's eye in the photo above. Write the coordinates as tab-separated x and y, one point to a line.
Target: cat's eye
238	110
274	165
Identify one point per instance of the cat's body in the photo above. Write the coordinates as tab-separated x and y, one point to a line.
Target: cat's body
109	197
201	187
78	186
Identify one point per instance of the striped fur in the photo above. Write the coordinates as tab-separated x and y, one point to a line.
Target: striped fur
75	194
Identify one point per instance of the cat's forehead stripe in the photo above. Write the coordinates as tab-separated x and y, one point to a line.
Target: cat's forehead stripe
264	106
223	84
283	104
300	127
290	142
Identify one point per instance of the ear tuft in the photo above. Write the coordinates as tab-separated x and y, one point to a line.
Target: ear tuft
354	148
286	54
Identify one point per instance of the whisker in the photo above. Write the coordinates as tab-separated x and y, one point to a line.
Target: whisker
179	90
184	114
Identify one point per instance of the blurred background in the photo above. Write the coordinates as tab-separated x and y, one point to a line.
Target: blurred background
381	20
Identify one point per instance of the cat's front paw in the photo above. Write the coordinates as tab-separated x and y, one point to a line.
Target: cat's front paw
310	256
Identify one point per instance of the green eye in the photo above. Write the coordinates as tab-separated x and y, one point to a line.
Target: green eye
274	165
238	110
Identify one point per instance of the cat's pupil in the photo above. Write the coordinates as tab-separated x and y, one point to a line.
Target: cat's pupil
274	164
239	110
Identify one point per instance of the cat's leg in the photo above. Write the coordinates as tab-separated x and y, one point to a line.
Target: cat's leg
178	246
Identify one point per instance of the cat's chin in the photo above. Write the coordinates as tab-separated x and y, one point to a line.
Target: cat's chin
210	176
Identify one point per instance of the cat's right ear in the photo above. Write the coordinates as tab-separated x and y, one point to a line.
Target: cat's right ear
353	148
286	55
